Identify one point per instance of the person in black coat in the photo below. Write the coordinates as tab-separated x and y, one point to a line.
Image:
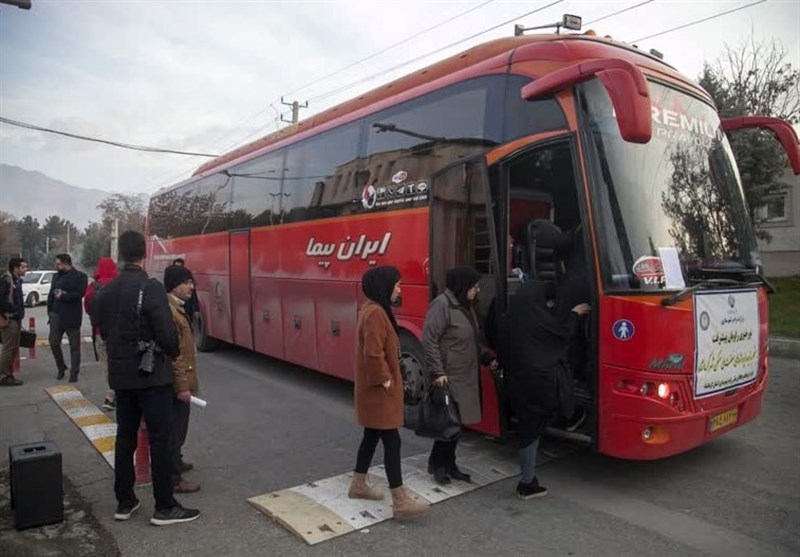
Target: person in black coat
65	310
136	324
533	349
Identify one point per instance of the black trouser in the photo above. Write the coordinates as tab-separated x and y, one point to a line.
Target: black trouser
443	454
180	425
391	453
155	404
74	337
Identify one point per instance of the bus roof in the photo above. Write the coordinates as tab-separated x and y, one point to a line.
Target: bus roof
481	53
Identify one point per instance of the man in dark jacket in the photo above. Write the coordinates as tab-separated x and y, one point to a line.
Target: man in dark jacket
12	309
65	311
136	324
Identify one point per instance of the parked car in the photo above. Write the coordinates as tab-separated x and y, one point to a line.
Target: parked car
36	286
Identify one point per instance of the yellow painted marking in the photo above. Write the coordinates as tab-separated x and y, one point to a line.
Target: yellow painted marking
95	419
86	416
75	403
60	389
104	444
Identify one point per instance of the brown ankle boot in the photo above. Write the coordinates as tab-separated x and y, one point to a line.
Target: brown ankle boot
404	506
360	489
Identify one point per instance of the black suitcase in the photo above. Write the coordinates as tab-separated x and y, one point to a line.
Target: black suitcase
37	487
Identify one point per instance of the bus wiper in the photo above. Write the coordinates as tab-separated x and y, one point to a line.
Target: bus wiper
432	139
707	283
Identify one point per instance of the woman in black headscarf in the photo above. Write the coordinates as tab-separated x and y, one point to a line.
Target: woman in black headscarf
534	344
453	353
379	390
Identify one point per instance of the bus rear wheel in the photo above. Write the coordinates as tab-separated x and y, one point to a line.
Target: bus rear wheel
411	359
203	342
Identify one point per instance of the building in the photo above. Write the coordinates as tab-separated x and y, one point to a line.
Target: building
780	216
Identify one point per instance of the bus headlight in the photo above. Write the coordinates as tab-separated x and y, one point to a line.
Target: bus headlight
663	391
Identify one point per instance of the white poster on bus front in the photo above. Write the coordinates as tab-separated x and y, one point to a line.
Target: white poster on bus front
726	340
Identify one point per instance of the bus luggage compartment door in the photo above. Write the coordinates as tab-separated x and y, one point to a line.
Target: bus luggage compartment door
241	314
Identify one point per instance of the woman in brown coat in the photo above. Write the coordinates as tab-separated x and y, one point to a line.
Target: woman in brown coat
379	390
453	354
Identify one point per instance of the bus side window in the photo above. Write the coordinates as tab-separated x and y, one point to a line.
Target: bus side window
313	175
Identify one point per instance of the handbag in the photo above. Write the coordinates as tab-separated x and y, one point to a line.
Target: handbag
27	339
438	416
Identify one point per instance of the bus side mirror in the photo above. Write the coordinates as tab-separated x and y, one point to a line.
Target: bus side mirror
625	84
783	131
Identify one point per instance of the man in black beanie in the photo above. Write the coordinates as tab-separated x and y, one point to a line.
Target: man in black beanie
179	283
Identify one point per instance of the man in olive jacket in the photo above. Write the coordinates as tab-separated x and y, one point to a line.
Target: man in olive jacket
65	310
136	324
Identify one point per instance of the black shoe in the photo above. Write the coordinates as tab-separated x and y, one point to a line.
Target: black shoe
73	377
174	515
124	512
576	420
60	374
10	381
454	472
531	490
440	476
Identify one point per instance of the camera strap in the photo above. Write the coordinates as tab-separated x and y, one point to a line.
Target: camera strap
139	312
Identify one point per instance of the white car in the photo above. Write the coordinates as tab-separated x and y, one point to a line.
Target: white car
36	287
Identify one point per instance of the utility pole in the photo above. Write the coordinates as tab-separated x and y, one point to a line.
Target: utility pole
296	106
114	237
67	238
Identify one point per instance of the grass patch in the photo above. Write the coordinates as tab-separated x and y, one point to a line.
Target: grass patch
784	307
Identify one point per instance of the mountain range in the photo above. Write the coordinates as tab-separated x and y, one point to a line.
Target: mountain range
26	192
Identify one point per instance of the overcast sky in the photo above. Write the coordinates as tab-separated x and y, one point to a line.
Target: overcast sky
200	76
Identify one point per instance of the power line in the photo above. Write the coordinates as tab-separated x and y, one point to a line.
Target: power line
418	58
103	141
356	63
618	12
338	90
399	43
685	25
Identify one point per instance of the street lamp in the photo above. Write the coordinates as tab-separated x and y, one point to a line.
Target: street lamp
22	4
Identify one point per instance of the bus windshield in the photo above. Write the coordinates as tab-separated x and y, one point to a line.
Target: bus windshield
679	192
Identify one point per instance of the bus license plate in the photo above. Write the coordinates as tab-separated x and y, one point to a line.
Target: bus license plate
727	418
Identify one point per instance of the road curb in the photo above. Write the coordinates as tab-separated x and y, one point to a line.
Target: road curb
784	347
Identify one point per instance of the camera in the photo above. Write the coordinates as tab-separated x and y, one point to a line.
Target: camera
147	351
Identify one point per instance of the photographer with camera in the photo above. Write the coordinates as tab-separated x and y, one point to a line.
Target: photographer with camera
136	324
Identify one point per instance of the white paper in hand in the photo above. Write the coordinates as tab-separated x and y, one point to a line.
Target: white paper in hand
199	402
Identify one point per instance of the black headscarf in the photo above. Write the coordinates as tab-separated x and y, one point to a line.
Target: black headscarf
459	280
378	285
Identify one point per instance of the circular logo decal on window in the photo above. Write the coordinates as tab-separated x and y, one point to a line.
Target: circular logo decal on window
368	197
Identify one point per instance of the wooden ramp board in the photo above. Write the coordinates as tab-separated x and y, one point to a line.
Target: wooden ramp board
320	510
98	428
304	517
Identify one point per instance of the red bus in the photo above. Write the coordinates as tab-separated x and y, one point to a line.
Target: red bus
455	164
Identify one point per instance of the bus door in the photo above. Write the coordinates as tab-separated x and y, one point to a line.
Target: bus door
462	232
541	188
241	314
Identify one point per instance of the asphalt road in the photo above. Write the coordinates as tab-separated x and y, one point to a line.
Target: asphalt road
271	425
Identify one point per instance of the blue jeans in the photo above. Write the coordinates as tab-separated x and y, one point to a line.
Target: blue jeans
527	462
